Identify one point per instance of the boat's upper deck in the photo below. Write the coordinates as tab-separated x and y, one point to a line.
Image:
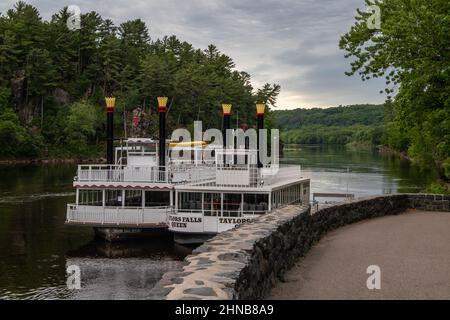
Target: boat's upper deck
229	169
188	176
144	176
247	178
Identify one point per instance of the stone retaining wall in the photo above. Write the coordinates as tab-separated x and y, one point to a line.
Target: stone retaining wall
429	202
244	263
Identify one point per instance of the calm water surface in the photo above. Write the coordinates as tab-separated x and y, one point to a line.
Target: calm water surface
363	173
36	247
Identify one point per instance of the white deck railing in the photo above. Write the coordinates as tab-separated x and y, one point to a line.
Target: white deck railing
207	175
120	173
184	173
117	215
149	174
225	214
243	177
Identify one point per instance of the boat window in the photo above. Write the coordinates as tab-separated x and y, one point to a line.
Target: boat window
113	198
142	149
190	201
289	195
133	198
90	197
157	198
231	204
149	148
257	203
211	204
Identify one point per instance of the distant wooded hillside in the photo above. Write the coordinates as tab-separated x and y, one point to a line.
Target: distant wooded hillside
366	114
356	124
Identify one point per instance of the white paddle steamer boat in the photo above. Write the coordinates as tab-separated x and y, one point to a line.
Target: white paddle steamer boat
144	190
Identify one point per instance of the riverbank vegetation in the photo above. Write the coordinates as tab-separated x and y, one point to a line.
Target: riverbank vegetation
411	50
357	125
53	81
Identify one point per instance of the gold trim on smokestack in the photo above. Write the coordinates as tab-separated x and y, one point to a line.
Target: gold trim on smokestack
260	108
226	109
162	101
110	103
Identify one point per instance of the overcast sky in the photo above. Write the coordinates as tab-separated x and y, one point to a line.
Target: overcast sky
290	42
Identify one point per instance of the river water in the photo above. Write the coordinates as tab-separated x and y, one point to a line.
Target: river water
36	247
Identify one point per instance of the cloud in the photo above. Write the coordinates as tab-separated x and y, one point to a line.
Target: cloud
291	42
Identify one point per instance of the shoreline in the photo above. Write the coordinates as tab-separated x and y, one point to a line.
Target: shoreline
51	161
384	150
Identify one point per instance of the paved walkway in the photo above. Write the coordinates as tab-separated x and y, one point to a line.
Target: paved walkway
412	251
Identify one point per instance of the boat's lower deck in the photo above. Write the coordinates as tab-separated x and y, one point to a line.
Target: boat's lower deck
187	209
124	217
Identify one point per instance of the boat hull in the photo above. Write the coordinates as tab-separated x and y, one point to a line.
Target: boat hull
191	238
123	234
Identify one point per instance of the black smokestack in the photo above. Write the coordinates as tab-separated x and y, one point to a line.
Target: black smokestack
226	108
110	103
260	108
162	107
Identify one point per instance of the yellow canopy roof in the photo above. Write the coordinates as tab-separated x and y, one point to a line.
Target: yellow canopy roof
188	144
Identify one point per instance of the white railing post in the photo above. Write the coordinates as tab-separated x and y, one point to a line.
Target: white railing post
217	226
203	220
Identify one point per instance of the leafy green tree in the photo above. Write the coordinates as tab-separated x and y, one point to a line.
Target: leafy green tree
268	94
81	126
56	72
21	27
412	51
15	141
5	94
